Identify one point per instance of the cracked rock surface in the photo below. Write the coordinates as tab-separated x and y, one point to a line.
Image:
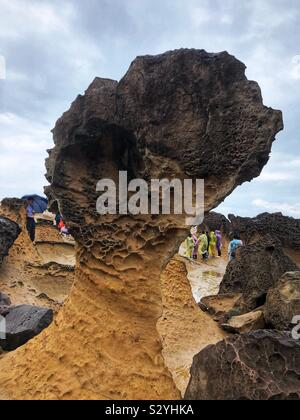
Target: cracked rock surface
264	365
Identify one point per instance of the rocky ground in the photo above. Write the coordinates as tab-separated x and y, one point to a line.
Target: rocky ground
35	279
258	299
40	274
203	307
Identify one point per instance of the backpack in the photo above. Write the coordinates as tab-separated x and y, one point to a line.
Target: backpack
233	252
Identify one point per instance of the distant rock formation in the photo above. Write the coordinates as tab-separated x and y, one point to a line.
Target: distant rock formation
285	229
182	114
9	231
256	269
216	221
259	366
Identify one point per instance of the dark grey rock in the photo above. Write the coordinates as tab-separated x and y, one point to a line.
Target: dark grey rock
283	302
264	365
23	323
4	300
9	231
256	269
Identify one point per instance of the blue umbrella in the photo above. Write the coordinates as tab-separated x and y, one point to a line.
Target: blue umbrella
39	204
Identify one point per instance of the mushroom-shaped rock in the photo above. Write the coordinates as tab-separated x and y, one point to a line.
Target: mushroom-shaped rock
182	114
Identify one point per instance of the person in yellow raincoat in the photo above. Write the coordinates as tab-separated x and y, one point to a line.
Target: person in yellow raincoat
213	244
189	247
203	244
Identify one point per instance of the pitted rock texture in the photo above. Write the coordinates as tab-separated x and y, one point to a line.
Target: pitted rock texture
186	113
4	300
246	323
41	274
12	207
264	365
23	323
216	221
257	268
284	228
221	307
283	302
9	231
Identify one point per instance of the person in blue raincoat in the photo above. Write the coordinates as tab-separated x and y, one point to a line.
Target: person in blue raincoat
233	246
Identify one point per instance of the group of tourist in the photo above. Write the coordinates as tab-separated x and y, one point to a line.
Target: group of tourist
209	245
204	244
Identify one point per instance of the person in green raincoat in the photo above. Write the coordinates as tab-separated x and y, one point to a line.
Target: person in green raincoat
203	245
213	244
189	247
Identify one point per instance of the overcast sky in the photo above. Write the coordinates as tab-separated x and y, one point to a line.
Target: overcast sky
53	49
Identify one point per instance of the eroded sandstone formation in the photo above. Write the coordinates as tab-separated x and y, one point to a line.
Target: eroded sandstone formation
9	231
259	366
40	274
184	329
13	208
183	114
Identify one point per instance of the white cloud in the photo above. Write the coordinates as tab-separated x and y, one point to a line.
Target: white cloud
295	72
19	19
285	208
261	62
2	68
295	163
276	176
23	146
227	19
53	30
281	169
265	18
200	15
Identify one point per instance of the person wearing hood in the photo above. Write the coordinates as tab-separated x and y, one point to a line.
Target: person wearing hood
233	246
189	246
212	244
203	245
219	242
196	243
